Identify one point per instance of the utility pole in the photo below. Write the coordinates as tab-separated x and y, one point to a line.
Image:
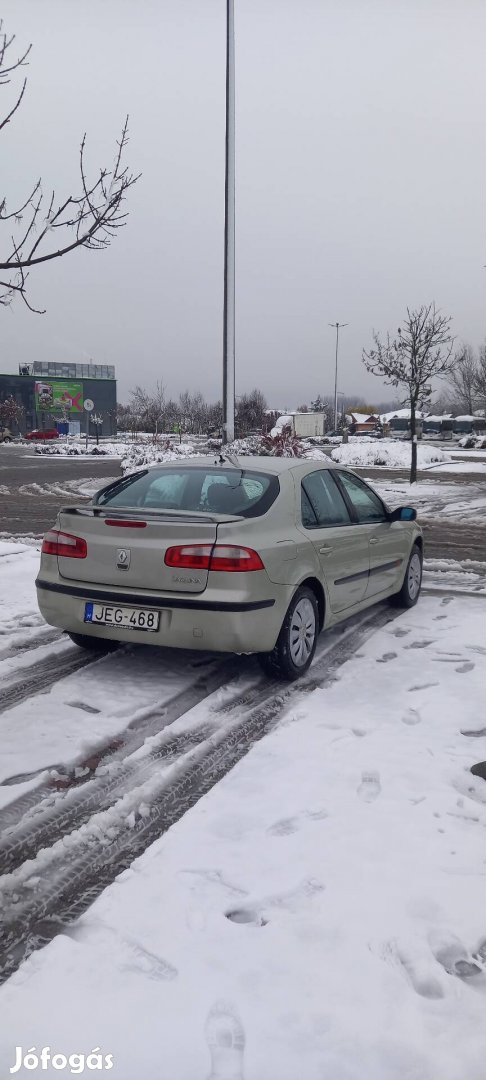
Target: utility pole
337	325
229	235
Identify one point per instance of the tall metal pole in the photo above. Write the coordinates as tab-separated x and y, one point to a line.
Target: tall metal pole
229	235
337	325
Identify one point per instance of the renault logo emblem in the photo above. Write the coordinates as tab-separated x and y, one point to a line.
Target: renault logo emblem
123	558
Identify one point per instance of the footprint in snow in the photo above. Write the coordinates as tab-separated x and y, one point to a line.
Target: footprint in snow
401	633
467	666
437	618
422	686
446	600
370	787
290	901
419	644
131	956
477	649
82	705
386	657
285	827
225	1037
411	717
453	956
317	815
422	979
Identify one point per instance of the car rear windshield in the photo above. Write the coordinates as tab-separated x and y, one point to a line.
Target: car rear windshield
202	490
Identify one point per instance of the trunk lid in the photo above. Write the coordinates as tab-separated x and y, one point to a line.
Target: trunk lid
131	555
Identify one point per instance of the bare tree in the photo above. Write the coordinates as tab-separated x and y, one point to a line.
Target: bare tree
97	420
463	379
11	412
192	412
480	378
420	352
250	411
150	408
44	228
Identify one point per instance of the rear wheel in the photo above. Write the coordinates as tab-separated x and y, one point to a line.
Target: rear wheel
7	439
93	644
412	582
296	642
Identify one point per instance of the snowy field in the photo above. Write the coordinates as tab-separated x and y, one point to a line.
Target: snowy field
319	912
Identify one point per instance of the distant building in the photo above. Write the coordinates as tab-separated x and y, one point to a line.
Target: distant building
362	422
52	393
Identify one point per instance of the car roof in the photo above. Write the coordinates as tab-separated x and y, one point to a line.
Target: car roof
264	464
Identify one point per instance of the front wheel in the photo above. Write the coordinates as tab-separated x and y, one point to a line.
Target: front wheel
412	582
93	644
296	643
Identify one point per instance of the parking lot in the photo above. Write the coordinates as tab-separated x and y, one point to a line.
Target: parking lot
33	487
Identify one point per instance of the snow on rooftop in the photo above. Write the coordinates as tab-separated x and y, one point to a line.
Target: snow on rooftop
400	414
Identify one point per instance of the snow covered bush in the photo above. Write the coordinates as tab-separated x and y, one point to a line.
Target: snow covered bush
252	445
390	454
280	443
139	456
473	442
79	450
283	444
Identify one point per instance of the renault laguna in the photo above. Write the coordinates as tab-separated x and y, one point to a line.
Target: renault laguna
253	555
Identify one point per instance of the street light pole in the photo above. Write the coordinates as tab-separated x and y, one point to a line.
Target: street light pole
229	235
337	325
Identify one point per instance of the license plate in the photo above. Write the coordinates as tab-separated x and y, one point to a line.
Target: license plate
132	618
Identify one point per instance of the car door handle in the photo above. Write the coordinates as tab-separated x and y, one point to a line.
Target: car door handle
325	550
374	540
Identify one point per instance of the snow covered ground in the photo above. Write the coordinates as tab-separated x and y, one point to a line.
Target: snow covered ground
463	466
320	912
68	489
434	498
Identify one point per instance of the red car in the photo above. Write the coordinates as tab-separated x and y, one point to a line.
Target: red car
48	433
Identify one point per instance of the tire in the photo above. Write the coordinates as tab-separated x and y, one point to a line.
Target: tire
296	643
6	440
93	644
412	582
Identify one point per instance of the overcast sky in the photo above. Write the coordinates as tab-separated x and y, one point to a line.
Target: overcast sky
361	183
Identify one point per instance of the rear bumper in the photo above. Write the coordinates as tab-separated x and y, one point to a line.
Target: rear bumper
185	623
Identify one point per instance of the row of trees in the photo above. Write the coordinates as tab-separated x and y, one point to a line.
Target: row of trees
421	352
190	414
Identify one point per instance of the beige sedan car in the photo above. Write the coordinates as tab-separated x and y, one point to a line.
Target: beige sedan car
255	555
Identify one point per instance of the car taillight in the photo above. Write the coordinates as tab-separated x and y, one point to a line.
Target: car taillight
64	544
213	557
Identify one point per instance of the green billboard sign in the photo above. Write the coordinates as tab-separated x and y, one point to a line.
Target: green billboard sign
59	395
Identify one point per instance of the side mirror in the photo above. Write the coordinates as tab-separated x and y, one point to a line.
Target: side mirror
403	513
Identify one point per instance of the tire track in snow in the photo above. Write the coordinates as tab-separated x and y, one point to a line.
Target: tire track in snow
40	677
45	637
61	882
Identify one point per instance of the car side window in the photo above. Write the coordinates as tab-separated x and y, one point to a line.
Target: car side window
366	503
322	503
